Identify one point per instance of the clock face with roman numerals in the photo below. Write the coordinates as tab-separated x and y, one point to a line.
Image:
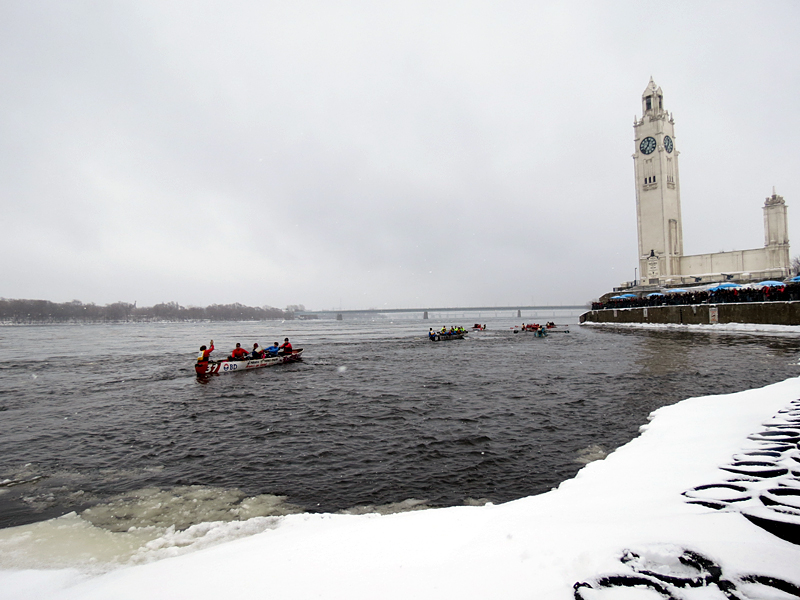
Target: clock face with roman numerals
648	145
667	143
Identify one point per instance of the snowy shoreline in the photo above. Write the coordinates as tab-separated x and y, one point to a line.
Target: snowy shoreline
709	328
632	501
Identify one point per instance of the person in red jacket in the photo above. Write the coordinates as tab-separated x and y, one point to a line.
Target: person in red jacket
286	347
238	353
205	353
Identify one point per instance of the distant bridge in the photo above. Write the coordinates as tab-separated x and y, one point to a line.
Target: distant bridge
424	312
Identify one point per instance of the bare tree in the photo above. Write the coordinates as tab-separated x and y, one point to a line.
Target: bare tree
794	265
44	311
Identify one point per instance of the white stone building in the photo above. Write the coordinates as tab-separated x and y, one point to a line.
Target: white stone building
658	215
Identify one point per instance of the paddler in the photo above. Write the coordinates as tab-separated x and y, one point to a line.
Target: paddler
286	347
255	352
238	353
205	353
273	350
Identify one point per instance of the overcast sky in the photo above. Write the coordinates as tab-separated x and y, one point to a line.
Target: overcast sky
364	154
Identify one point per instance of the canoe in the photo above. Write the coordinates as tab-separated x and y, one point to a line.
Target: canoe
215	367
444	337
541	332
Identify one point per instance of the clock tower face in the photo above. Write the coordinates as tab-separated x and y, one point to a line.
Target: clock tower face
667	143
648	145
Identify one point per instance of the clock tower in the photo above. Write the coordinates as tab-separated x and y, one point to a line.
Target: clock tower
658	200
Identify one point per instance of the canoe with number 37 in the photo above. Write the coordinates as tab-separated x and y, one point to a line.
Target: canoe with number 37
215	367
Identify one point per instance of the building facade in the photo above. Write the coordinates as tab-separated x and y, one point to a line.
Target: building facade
658	214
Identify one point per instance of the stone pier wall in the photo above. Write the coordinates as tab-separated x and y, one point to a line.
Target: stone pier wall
765	313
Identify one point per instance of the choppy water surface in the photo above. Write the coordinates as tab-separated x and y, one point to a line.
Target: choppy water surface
110	417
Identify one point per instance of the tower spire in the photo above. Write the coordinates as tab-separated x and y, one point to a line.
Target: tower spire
652	99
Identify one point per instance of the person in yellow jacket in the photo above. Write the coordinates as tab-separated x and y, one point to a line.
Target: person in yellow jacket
205	353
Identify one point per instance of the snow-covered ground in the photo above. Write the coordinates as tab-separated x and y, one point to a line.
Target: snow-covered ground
625	520
716	327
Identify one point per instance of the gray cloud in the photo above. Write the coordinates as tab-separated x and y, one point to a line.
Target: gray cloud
371	154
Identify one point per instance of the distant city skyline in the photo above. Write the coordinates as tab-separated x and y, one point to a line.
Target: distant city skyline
359	156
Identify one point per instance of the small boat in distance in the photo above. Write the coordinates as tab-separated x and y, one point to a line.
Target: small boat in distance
215	367
445	335
534	328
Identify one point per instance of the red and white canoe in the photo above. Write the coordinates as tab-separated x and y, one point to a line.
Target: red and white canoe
215	367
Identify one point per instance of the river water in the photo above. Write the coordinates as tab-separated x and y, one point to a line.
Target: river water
110	421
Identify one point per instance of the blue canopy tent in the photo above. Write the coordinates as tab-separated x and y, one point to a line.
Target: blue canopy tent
677	291
628	296
728	284
795	279
655	294
770	283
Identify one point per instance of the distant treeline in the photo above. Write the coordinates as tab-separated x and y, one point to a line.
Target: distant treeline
44	311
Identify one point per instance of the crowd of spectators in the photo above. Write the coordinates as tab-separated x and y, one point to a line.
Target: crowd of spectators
789	291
